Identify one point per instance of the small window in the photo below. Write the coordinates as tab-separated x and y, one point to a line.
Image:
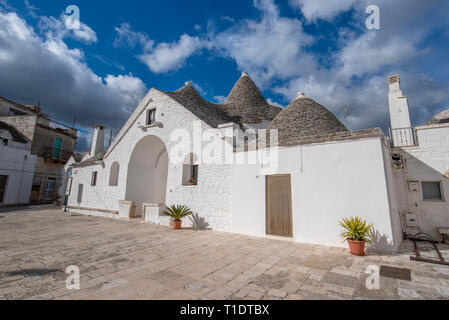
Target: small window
190	171
57	144
193	175
432	191
80	193
113	176
151	116
94	179
398	161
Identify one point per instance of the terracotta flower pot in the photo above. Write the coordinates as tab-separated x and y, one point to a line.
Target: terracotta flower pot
357	248
177	224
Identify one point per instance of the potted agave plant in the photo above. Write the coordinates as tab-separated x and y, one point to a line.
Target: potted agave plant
177	213
357	232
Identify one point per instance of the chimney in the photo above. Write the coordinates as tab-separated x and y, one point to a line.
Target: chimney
402	134
97	141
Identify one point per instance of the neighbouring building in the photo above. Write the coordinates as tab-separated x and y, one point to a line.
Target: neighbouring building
420	165
16	166
295	180
52	143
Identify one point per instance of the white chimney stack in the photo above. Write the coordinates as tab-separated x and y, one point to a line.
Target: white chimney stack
402	133
97	141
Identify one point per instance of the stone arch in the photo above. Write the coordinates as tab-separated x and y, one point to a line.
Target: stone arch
146	180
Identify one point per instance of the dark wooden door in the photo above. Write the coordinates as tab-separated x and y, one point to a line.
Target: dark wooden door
279	220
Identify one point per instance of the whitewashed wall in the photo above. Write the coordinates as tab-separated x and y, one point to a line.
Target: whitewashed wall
329	181
393	195
428	161
210	199
20	171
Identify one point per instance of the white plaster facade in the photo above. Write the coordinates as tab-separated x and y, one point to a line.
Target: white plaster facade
330	181
210	199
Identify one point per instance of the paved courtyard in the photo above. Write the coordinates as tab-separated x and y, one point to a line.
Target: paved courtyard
133	260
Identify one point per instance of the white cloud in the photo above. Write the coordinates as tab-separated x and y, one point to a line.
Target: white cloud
368	53
274	103
126	37
198	88
60	78
131	88
160	58
166	57
316	9
267	48
31	9
57	29
220	99
275	50
253	44
5	5
110	62
227	19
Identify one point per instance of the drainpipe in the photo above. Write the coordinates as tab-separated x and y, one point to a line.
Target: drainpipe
20	180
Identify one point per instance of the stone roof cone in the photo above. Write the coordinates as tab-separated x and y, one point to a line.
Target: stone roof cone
205	110
246	101
304	117
442	117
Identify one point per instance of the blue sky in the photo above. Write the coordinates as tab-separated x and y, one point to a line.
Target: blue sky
99	73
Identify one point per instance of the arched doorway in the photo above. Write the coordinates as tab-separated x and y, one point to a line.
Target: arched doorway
147	173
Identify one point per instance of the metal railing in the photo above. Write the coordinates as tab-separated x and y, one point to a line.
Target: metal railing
403	137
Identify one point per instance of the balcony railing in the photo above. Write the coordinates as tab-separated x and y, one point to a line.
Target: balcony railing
403	137
56	154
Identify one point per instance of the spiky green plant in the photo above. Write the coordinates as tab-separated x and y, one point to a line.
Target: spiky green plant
178	212
356	229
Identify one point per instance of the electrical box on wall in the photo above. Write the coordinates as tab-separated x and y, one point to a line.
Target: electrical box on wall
413	186
412	220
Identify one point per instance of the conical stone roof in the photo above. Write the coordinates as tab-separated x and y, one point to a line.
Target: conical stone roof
305	118
209	112
442	117
247	102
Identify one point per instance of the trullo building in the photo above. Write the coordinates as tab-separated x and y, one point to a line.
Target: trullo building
296	180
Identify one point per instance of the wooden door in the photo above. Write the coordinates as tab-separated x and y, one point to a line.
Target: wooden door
279	220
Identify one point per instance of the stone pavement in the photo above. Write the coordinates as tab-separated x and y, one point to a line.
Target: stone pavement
133	260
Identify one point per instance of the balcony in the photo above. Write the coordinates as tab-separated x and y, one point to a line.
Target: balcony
55	155
403	137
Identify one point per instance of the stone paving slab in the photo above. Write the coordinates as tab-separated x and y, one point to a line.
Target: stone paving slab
134	260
